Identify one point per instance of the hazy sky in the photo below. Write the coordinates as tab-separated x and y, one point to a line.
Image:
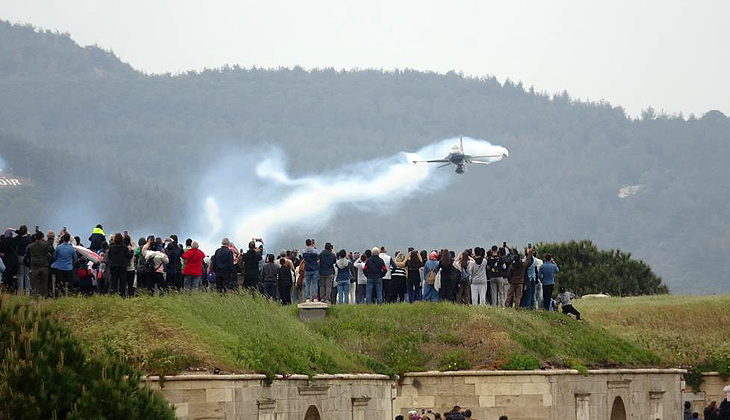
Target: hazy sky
672	55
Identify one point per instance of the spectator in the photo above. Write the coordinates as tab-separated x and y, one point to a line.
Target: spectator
448	288
538	281
193	269
9	257
270	277
724	412
464	266
479	281
711	412
155	267
362	280
284	281
51	239
327	261
142	278
311	271
414	263
222	265
21	242
298	289
97	238
374	271
387	283
344	274
566	301
687	404
128	287
516	279
497	269
528	298
173	269
399	278
251	265
547	275
39	254
119	255
430	273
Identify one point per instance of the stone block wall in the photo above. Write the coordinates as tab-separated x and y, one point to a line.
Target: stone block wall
248	397
711	390
647	394
541	395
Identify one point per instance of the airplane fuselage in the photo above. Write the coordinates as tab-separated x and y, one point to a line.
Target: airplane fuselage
458	160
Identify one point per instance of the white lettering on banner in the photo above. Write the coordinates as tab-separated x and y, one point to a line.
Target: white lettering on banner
10	182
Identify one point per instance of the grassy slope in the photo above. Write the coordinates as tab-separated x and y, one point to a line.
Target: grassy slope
243	333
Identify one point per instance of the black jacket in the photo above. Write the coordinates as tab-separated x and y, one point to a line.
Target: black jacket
375	268
251	263
327	260
223	260
284	276
21	243
119	256
174	253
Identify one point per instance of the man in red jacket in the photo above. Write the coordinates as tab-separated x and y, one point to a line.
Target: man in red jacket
193	271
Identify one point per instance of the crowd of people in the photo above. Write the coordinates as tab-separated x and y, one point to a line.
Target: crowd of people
456	413
49	265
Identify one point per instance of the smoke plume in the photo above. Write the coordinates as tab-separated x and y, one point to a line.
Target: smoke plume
273	202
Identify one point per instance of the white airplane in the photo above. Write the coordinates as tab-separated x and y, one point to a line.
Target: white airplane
457	157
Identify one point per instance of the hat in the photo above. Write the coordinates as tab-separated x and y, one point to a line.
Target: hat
434	255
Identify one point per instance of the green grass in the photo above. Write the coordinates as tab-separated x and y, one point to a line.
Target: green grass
243	333
203	330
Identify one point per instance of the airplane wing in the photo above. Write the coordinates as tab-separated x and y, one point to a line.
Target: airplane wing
432	161
480	162
485	156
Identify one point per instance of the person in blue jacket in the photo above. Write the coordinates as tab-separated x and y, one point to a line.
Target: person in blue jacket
63	264
547	275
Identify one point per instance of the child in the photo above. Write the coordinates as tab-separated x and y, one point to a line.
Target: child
566	300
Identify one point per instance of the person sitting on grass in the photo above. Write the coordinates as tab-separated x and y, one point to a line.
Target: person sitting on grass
566	301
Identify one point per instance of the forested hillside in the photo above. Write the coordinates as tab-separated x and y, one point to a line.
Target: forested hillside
568	162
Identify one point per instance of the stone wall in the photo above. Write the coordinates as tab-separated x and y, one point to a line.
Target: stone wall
248	397
711	390
546	395
522	395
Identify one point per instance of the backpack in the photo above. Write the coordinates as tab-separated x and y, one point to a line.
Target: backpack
431	278
465	276
494	268
149	265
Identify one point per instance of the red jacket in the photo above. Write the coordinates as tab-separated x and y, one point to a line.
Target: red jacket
193	262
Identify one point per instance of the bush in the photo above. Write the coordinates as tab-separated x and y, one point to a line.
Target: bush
46	373
454	360
584	269
522	362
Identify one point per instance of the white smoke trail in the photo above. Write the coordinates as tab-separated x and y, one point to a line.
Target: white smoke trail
2	164
213	212
308	203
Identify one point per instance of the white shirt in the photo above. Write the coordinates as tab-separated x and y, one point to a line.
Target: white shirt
361	279
386	259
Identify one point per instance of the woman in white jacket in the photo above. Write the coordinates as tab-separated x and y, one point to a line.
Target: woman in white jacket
479	280
157	259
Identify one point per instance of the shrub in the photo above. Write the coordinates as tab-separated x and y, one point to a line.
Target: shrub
454	360
585	269
522	362
46	373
